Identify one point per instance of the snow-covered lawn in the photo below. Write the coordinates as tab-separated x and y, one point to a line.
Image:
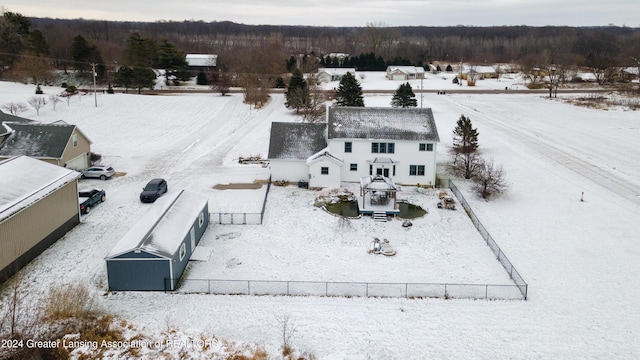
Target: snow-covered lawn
579	258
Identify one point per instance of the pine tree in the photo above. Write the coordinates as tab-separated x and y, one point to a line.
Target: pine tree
465	148
297	95
404	97
349	92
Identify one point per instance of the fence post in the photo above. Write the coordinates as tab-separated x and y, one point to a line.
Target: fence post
248	285
244	219
209	286
367	291
326	289
486	292
287	288
406	290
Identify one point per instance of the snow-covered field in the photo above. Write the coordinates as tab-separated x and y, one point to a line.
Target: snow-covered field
581	259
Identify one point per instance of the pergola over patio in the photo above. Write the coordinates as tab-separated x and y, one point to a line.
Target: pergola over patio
380	189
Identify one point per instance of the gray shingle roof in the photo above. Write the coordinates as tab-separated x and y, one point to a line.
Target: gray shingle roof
36	140
382	124
296	141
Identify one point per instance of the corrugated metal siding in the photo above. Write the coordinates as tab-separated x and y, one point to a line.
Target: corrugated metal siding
139	275
25	229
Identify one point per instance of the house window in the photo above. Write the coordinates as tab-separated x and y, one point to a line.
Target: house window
429	147
324	170
201	219
183	251
422	147
416	170
353	167
394	170
75	140
370	169
347	147
383	148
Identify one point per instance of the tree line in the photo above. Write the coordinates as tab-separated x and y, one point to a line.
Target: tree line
259	55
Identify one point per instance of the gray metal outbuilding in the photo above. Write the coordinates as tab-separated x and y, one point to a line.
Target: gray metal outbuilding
155	251
38	205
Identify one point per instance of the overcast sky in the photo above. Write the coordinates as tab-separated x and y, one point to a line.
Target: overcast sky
345	12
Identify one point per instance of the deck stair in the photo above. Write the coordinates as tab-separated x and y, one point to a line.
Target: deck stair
380	216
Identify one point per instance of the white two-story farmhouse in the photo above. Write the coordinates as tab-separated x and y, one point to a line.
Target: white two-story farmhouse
356	142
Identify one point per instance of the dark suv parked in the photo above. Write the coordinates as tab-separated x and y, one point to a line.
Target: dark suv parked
154	189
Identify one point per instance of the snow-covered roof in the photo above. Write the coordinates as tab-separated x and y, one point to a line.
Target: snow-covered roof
337	71
296	141
481	69
24	180
163	227
36	140
326	154
8	117
377	183
405	69
201	59
382	123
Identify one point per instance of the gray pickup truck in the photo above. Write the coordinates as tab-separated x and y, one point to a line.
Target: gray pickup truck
89	198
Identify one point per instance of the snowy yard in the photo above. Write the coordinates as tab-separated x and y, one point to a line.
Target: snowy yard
579	258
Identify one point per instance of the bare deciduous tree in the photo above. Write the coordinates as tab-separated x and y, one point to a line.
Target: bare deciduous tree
37	102
315	109
288	332
15	108
54	100
489	179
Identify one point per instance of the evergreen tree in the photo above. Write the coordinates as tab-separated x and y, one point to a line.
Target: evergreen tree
280	84
465	148
349	92
404	97
201	79
80	53
297	95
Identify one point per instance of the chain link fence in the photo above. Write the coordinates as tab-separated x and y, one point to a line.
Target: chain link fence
502	258
349	289
229	218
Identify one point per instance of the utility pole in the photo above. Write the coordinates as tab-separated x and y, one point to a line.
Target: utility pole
95	93
421	91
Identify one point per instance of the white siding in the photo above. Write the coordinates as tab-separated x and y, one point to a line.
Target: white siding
289	170
406	154
330	180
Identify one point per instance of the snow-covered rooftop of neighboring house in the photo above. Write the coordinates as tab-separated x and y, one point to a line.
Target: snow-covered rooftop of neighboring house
36	140
382	123
24	180
163	227
406	69
201	59
337	71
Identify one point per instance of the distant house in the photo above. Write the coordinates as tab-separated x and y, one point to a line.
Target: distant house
478	72
334	74
38	205
405	72
58	143
201	61
356	142
156	250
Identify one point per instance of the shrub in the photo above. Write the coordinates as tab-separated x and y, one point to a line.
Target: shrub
70	301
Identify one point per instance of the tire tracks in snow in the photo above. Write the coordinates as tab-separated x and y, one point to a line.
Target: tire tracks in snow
594	173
